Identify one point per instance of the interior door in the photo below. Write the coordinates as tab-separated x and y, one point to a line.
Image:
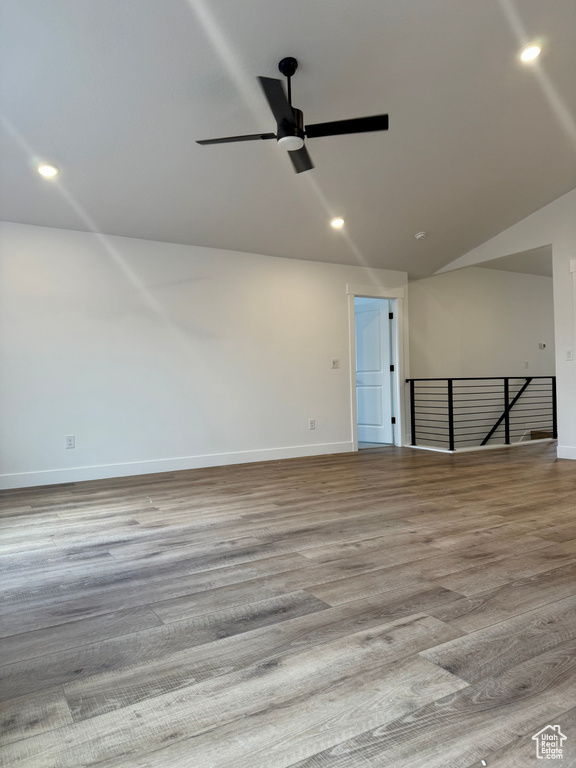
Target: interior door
373	376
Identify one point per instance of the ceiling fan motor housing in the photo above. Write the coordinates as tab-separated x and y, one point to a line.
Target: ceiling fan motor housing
295	129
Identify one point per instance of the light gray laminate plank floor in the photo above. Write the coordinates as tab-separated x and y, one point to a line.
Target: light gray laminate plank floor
391	607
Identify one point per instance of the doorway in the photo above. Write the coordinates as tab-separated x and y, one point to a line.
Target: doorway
374	343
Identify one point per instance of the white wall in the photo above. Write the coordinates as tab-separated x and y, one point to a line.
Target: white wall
481	322
160	357
555	225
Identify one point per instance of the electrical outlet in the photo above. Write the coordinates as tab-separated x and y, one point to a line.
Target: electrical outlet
335	363
569	355
70	441
311	423
526	364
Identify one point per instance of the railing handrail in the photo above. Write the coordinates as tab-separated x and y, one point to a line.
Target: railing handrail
480	378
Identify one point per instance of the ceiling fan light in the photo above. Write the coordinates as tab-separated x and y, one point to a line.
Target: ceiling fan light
291	143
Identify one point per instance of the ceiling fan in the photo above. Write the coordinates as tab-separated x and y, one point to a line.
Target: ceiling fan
290	128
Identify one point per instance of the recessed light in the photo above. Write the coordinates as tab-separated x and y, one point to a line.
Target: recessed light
530	52
48	170
337	223
420	235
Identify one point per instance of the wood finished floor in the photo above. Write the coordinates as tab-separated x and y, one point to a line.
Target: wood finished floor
392	607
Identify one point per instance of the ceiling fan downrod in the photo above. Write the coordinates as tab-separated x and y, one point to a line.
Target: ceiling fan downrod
288	67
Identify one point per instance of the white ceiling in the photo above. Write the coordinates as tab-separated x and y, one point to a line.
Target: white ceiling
116	92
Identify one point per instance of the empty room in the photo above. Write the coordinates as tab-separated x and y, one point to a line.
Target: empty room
287	383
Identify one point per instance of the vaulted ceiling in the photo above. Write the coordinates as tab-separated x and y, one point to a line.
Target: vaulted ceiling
116	92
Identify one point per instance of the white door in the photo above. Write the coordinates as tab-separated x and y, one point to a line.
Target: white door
373	374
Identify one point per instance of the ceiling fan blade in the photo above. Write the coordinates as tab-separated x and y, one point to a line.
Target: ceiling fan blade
301	160
277	99
229	139
356	125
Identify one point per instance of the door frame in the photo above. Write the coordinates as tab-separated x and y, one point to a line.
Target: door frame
399	357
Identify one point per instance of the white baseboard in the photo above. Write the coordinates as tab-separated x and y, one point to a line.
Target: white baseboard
566	452
103	471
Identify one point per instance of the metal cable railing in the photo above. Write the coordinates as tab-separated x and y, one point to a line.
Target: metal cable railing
471	412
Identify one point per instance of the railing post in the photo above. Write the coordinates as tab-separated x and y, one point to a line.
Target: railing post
508	407
450	414
412	413
506	411
554	411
